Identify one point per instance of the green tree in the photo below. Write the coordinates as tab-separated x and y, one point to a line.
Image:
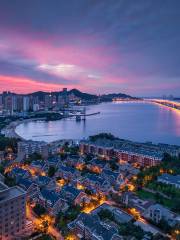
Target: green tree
39	209
51	171
105	214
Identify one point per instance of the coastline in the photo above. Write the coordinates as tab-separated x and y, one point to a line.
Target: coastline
10	130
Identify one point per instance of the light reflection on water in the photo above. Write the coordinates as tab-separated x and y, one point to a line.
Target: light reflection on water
134	121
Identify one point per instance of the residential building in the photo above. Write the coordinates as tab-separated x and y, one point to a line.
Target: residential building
73	195
12	211
45	182
52	201
29	147
131	200
30	187
26	103
88	226
17	173
123	150
119	215
170	179
157	213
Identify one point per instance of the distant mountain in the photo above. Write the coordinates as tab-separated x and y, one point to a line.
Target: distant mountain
39	94
83	96
76	92
109	97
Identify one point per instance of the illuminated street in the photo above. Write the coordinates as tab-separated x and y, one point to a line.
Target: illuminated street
40	223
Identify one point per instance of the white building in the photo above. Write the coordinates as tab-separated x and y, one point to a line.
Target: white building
35	107
170	179
26	104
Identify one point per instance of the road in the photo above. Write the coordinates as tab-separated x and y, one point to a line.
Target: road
38	222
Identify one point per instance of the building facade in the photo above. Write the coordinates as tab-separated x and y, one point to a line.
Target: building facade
12	211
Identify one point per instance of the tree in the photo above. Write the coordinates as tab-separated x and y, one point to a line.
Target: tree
51	171
105	214
176	205
66	147
45	237
113	165
160	237
2	168
39	209
88	158
74	150
163	224
8	143
107	136
131	230
63	156
9	181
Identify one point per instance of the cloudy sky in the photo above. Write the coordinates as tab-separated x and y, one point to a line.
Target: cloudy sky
97	46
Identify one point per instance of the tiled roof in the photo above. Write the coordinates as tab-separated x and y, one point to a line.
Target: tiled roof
43	180
97	229
51	196
19	171
25	182
170	178
53	160
37	163
70	189
67	169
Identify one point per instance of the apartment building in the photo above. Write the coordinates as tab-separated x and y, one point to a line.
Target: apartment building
29	147
12	211
125	151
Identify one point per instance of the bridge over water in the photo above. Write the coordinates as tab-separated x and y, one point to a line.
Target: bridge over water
167	103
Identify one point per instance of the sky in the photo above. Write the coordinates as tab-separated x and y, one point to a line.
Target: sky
96	46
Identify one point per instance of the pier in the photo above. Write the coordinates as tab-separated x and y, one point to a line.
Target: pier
79	113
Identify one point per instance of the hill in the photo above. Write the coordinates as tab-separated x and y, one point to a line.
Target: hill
83	96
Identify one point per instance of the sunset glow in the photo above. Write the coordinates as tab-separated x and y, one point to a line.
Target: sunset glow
50	49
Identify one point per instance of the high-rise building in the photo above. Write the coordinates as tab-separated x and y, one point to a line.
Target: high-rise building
48	101
65	95
14	103
26	104
61	101
33	100
54	100
1	100
64	90
35	107
12	211
8	102
19	103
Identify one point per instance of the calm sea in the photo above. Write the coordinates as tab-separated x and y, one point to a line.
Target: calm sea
129	120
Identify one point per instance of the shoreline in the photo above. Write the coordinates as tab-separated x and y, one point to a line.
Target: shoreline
10	130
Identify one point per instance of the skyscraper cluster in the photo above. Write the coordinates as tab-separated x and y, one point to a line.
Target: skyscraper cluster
13	103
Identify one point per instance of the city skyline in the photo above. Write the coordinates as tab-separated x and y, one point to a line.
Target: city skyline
97	47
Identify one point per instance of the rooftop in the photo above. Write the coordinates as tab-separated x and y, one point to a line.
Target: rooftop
128	146
7	193
51	196
170	178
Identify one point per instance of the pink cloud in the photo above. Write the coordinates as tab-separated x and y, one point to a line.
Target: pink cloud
87	62
25	85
